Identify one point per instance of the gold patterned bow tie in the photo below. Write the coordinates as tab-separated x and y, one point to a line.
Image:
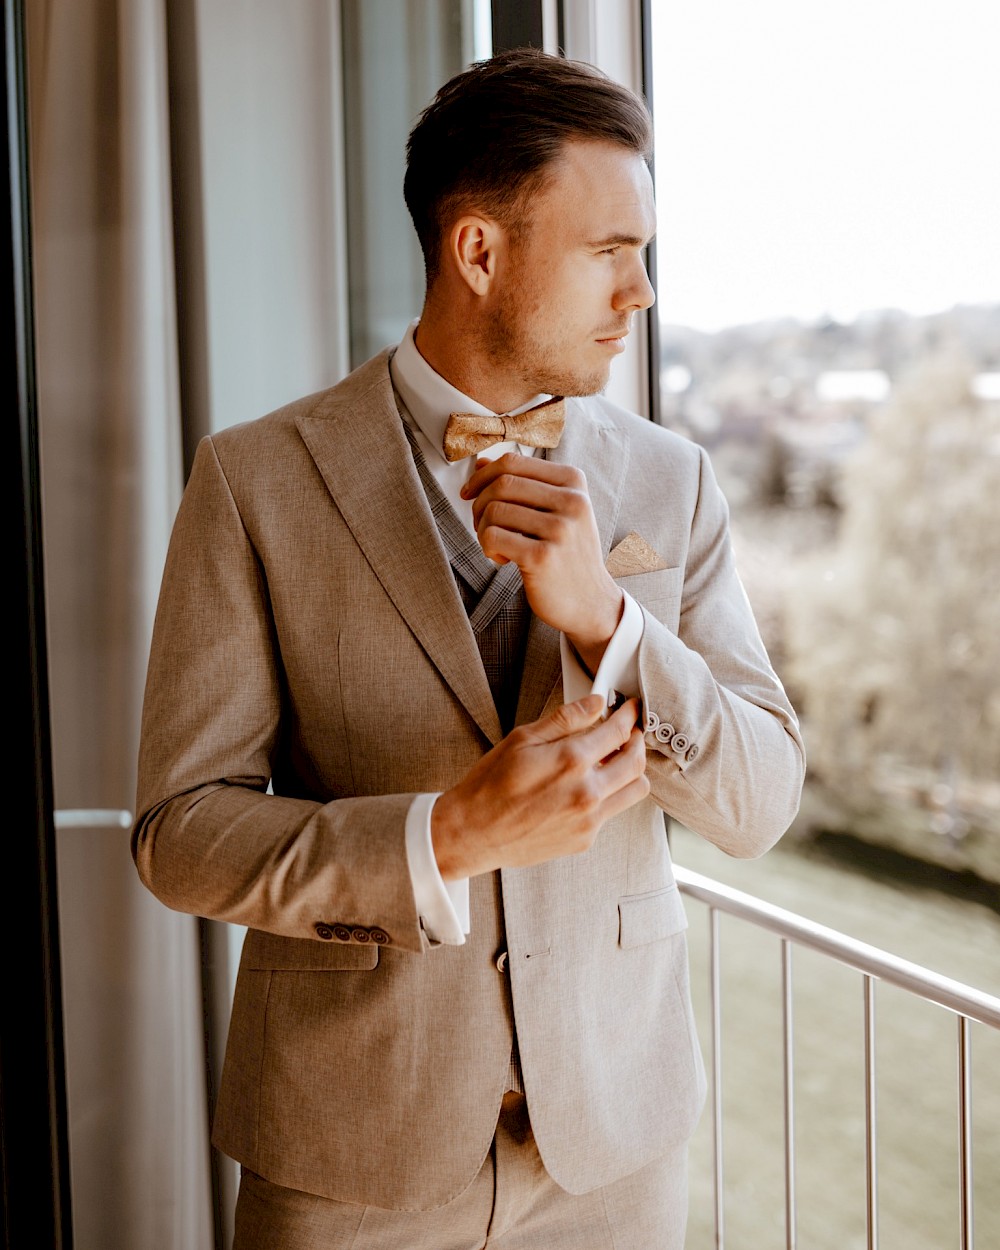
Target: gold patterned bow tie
467	434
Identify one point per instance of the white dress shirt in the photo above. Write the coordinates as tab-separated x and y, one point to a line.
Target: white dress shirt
429	399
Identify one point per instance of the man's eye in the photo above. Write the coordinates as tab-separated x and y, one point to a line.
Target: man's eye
611	251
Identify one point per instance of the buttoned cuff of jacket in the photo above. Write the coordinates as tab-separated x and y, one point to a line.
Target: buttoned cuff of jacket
618	672
443	906
668	722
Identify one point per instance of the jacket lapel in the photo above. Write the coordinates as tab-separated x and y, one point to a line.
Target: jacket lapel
356	438
591	443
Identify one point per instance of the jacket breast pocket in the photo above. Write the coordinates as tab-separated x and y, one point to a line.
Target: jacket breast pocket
658	591
651	917
268	952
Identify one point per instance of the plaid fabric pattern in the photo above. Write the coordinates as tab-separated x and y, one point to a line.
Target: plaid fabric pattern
493	595
498	612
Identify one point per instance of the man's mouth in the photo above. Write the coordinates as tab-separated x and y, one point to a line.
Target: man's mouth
617	341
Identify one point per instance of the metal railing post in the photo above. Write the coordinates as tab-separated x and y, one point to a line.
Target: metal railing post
871	1125
968	1003
789	1080
967	1238
716	983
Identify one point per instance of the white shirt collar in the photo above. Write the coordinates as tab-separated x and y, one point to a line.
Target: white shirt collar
428	397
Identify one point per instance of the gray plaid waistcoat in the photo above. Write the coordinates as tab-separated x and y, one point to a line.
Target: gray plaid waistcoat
498	612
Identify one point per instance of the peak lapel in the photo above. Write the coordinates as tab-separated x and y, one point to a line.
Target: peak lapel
591	443
380	497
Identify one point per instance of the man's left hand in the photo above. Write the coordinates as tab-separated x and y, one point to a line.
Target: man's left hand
539	515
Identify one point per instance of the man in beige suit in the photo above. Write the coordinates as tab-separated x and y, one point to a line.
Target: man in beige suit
417	702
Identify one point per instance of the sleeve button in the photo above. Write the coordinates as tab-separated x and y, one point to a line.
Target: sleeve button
360	934
324	931
341	932
652	723
692	753
380	937
664	732
680	743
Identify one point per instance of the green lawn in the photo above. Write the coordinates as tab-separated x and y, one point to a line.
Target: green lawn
916	1062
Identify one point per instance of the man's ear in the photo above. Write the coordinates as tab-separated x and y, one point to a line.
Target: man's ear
474	245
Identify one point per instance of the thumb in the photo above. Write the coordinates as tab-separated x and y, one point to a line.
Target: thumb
571	718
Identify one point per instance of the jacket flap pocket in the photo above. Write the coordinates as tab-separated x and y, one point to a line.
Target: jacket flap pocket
660	592
271	953
650	917
656	586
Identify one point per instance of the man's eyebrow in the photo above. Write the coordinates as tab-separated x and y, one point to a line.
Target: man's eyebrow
621	240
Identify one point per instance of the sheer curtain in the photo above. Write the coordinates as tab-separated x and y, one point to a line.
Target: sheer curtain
198	186
111	478
186	185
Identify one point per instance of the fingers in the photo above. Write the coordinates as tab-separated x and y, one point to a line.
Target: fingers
530	467
508	547
625	764
502	515
611	735
622	777
513	501
524	535
530	495
544	791
584	716
571	718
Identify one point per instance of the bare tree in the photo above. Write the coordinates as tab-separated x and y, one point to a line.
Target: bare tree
893	634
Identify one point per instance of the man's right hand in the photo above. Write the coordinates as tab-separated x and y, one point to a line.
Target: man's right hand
543	792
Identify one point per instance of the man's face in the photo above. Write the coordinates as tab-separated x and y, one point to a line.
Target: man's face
566	290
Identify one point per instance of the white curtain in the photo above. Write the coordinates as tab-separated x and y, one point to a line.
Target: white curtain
190	229
213	129
111	479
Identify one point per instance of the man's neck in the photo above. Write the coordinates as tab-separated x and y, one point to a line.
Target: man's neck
465	367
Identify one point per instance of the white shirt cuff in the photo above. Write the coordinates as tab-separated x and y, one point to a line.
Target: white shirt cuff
443	906
618	672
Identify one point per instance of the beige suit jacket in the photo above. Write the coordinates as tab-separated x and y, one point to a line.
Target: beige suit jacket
310	640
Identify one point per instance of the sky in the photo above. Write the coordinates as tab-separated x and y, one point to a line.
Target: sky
819	159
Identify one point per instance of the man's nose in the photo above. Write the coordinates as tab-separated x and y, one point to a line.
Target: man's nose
638	292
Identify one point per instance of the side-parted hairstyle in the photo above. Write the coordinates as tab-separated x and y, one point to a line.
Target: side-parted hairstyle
484	142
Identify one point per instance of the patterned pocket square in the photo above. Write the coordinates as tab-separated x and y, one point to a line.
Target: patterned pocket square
634	555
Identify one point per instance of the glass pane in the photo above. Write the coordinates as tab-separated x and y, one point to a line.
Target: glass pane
829	301
396	55
829	305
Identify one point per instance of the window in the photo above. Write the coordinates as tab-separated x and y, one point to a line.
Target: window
829	304
829	320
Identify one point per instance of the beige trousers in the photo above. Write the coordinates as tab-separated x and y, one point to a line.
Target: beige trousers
512	1204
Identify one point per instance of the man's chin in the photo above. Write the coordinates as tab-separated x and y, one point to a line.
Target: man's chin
581	387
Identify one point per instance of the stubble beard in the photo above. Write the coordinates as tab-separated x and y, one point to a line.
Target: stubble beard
511	348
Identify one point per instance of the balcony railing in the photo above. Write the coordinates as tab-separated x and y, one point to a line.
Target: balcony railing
968	1005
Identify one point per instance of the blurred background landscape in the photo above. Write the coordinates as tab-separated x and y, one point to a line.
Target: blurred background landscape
862	466
828	278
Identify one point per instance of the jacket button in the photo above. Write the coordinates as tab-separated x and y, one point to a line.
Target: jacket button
680	743
692	752
652	723
501	961
324	931
360	934
664	732
380	937
341	932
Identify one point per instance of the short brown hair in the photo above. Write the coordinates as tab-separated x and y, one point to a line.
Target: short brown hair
487	136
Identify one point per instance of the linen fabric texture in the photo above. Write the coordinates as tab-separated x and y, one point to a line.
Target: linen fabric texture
310	638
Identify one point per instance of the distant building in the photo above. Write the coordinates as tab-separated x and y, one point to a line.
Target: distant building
845	385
